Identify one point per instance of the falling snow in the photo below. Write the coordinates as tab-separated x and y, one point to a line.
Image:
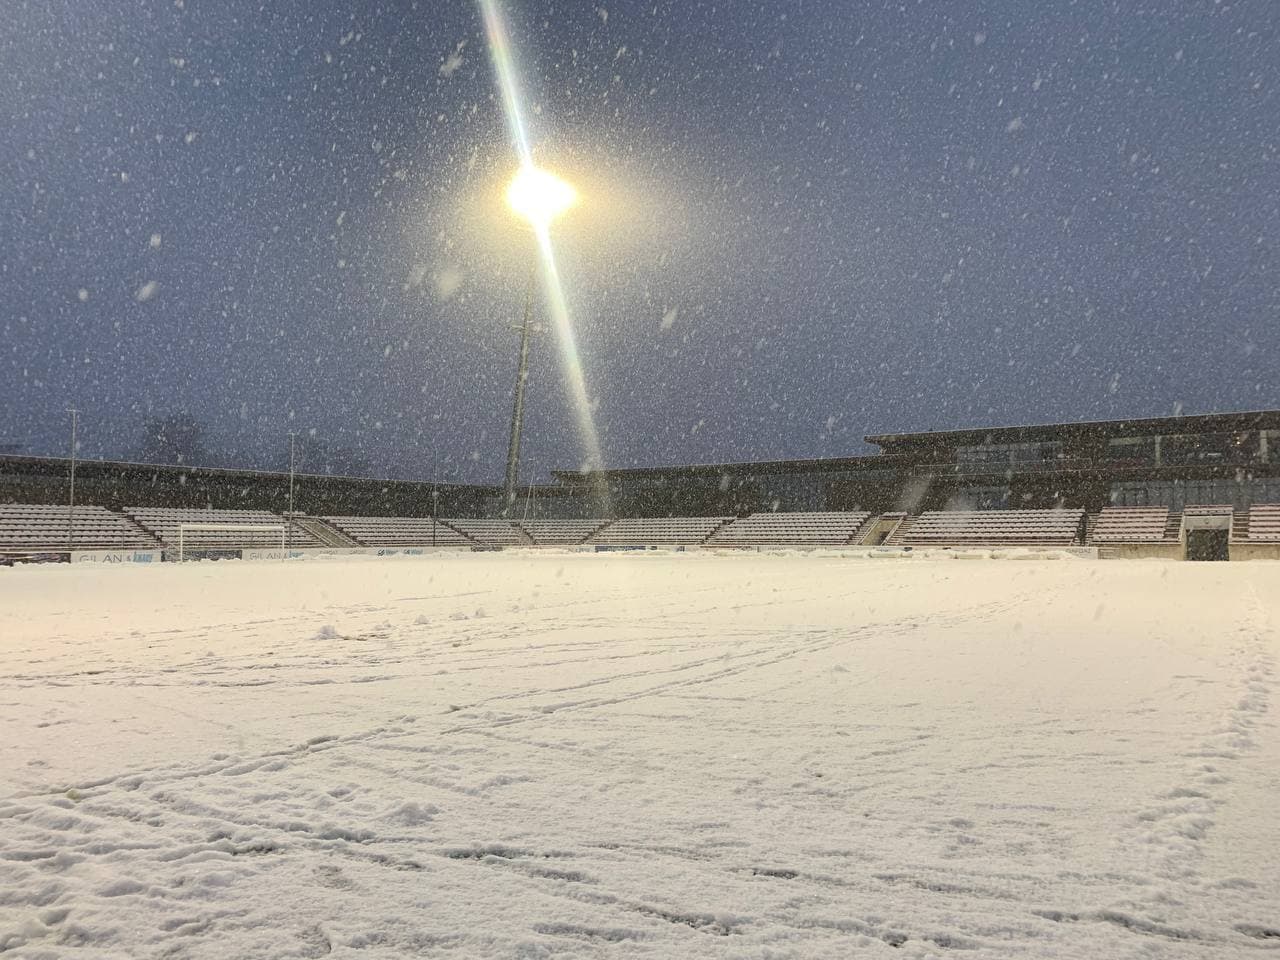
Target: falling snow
557	754
835	188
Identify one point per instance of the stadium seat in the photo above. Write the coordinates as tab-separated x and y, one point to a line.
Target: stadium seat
783	529
1264	523
490	533
26	527
1131	525
996	528
398	531
560	531
166	522
659	531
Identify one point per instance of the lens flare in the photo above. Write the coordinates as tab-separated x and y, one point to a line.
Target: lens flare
540	196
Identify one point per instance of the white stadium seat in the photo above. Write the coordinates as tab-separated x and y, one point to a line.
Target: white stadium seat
42	527
657	531
790	528
398	531
996	527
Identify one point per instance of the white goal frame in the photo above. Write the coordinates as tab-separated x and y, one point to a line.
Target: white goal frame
230	528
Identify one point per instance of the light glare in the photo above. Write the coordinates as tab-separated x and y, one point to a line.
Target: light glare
504	67
539	195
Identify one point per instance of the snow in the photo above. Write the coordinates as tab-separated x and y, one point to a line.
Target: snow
664	755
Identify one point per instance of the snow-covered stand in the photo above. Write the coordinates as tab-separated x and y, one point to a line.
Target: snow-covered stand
941	528
561	532
1131	525
1264	523
1135	533
792	529
1258	536
257	529
399	531
659	531
490	533
96	534
27	528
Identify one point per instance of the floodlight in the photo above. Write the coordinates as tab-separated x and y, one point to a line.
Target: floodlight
539	195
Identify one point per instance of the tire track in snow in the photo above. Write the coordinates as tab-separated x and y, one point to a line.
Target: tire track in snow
336	754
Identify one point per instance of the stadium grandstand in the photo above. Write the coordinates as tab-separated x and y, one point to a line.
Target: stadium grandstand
117	485
397	531
1202	487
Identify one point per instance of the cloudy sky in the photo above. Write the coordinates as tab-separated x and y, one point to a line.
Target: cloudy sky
801	221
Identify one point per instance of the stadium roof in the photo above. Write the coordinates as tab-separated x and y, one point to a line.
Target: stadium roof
903	448
12	461
1190	423
868	462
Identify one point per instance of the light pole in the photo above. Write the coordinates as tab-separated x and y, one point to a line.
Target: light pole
288	527
435	500
71	505
517	410
539	197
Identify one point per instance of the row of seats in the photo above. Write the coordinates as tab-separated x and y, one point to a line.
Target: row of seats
35	527
560	531
762	529
1000	527
1264	523
42	526
1113	525
168	524
1131	525
398	531
659	530
495	533
424	531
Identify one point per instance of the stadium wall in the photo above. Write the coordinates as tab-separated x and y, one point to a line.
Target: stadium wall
1147	551
1255	551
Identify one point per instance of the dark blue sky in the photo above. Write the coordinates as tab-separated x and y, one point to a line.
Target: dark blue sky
802	222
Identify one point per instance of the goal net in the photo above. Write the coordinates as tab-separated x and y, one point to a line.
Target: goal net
263	531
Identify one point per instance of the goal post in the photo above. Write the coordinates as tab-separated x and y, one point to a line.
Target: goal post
229	528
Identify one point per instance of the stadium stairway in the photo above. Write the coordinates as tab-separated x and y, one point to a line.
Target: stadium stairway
329	536
565	532
1173	526
1240	526
902	528
137	529
875	532
719	526
488	533
864	529
1090	522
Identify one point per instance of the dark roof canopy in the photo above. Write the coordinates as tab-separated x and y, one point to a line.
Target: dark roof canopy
19	463
1197	423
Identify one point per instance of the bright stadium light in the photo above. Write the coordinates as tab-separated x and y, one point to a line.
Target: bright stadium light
539	195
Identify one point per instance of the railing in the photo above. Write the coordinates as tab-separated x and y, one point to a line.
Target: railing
1000	468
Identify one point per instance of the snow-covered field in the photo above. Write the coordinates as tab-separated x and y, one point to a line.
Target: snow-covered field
520	755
